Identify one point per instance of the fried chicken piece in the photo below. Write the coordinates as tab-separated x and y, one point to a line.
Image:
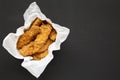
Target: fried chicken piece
37	22
34	46
28	36
39	56
53	35
46	45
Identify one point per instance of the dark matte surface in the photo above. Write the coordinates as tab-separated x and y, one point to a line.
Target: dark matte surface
92	50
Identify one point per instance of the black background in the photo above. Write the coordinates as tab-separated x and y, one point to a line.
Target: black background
91	51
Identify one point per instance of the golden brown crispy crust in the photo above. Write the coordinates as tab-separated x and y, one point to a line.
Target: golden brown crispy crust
53	35
36	22
36	40
28	36
39	56
45	46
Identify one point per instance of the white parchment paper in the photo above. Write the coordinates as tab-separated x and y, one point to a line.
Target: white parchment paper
35	67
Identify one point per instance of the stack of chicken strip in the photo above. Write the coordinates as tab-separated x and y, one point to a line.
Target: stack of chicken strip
36	40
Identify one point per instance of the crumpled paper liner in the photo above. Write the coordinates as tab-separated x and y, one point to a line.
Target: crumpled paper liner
35	67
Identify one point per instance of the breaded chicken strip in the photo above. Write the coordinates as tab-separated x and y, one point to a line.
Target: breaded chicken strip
34	46
39	56
37	22
53	35
43	51
28	36
45	46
